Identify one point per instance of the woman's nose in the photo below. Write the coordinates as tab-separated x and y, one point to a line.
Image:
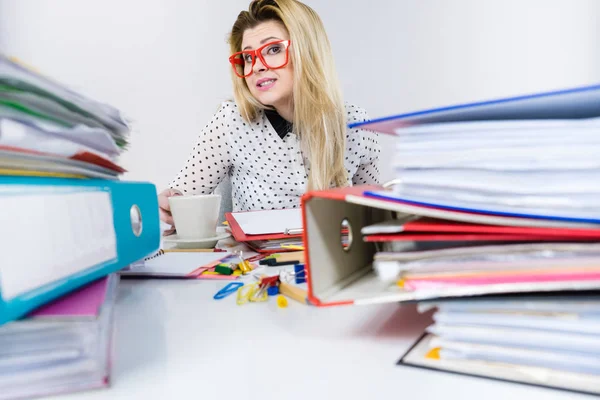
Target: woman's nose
259	66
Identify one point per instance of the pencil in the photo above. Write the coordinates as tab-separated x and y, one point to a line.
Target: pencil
293	292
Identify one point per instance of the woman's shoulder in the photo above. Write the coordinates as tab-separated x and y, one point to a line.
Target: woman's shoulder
355	113
229	108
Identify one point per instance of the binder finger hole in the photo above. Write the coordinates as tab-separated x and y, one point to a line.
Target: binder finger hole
346	234
136	220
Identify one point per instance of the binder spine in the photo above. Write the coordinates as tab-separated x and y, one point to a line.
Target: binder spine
136	225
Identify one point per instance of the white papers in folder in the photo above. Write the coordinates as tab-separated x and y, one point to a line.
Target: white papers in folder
534	169
63	231
270	221
24	136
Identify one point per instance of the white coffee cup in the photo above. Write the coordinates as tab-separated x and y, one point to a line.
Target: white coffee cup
196	216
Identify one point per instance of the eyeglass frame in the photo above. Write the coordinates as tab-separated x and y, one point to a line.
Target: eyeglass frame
258	54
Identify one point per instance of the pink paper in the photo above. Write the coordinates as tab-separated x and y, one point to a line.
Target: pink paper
83	302
440	282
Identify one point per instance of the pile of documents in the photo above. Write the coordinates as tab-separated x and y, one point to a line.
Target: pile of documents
51	130
69	221
545	169
497	196
62	347
548	340
498	227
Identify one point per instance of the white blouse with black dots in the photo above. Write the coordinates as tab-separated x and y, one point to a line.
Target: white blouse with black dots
267	172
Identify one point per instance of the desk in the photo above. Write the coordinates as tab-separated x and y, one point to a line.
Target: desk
173	341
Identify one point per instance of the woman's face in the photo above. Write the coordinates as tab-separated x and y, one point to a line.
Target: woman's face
272	87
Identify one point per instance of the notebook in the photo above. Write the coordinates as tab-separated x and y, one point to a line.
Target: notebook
175	264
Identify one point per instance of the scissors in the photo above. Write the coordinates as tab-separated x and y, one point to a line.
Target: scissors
227	290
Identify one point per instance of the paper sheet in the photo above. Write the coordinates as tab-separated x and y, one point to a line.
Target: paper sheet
270	221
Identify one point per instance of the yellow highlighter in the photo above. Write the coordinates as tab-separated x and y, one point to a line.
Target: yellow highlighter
292	247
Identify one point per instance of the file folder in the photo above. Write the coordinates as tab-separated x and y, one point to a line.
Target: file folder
579	102
259	228
60	234
265	225
343	275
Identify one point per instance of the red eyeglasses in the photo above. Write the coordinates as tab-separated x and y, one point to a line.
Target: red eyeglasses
272	55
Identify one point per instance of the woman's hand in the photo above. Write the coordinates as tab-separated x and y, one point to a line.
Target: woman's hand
165	209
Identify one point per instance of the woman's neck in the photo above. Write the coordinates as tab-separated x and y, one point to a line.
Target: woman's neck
286	112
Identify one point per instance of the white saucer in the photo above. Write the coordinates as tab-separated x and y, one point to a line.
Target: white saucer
206	243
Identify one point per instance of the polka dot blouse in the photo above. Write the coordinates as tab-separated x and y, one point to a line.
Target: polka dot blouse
266	170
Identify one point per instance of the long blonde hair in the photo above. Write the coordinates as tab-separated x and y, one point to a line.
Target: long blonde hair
319	113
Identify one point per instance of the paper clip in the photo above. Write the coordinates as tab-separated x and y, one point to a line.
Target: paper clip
227	290
252	292
244	292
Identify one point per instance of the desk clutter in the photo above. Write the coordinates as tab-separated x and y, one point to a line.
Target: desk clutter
285	284
69	224
492	220
492	223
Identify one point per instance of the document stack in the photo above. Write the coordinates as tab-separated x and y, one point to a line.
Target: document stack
68	221
62	347
547	340
491	199
508	202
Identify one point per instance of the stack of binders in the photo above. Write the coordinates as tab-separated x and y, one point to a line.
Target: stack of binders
64	346
67	222
492	199
549	340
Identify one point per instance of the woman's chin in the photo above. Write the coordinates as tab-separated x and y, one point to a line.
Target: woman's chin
267	98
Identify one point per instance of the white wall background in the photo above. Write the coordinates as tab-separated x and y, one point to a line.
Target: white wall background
164	62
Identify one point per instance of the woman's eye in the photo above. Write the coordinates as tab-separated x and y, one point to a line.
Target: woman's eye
248	58
274	49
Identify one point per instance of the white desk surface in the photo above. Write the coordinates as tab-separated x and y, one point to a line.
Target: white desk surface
173	341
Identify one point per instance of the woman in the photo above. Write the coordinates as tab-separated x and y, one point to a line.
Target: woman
287	130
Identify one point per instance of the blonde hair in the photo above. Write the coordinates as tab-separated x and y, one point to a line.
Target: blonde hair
319	113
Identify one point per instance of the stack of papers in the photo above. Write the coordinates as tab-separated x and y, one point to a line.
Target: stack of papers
498	227
64	346
526	168
497	196
551	341
47	129
532	156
